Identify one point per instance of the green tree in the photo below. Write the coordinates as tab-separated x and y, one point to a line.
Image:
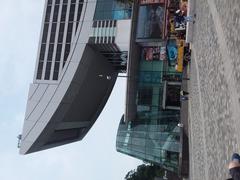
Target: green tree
145	172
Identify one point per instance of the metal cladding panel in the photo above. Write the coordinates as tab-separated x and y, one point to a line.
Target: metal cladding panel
86	102
66	110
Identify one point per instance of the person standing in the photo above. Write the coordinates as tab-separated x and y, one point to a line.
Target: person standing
234	167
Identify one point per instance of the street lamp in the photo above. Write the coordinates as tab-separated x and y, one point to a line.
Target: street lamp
108	77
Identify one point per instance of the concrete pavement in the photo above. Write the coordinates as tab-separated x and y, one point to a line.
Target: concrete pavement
214	106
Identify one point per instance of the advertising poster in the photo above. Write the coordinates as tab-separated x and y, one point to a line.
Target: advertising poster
163	53
152	53
150	22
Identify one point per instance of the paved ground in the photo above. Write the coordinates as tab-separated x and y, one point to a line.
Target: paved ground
214	106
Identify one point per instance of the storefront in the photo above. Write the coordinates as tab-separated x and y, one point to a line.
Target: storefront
171	95
152	133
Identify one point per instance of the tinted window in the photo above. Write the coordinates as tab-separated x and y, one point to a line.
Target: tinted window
55	14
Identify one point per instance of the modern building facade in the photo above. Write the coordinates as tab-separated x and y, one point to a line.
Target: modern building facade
149	128
82	44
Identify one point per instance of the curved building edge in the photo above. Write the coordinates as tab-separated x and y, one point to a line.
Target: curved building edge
63	112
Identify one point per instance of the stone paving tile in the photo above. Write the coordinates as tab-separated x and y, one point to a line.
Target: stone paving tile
197	134
229	12
213	134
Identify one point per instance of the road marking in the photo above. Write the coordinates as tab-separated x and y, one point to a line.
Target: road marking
201	112
227	62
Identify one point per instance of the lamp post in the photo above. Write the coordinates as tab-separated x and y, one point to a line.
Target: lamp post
108	77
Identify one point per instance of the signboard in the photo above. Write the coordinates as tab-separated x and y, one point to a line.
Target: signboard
150	77
163	53
142	2
150	22
151	53
154	53
179	66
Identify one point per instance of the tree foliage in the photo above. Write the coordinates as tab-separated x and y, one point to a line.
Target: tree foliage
145	172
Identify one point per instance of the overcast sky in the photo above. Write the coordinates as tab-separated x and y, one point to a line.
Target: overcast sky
94	158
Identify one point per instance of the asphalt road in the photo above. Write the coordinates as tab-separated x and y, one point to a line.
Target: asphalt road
214	105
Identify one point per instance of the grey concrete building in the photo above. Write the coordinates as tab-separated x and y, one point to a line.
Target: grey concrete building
83	46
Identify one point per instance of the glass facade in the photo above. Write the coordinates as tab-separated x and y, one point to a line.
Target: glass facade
113	9
155	139
105	27
153	135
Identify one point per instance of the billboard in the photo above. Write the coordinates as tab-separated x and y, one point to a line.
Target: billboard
150	22
154	53
151	53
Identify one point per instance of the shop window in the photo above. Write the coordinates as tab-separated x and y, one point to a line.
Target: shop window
145	96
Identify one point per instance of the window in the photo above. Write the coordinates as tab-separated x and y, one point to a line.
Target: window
112	9
145	96
67	50
72	12
55	14
61	32
48	70
53	32
48	13
59	51
79	11
64	12
39	71
49	2
56	70
45	33
42	51
50	52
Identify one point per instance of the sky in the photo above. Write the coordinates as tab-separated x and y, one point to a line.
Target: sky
93	158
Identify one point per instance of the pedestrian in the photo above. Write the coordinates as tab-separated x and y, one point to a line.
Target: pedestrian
179	20
234	167
183	98
184	93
